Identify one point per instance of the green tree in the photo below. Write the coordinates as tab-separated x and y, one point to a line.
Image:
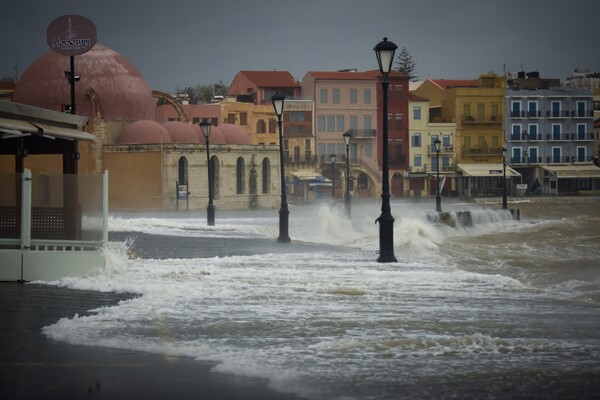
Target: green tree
406	64
204	93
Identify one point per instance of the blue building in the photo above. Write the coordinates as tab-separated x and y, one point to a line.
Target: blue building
549	135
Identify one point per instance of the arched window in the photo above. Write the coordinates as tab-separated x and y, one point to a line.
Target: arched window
266	176
182	175
240	175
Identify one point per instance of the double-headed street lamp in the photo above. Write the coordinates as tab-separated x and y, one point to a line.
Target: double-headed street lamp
504	205
438	199
284	237
347	139
205	126
385	56
332	159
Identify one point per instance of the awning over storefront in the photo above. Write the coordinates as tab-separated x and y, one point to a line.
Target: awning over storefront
307	175
485	170
14	128
573	171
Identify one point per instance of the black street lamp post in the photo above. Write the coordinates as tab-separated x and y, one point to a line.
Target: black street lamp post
504	202
385	56
284	237
205	126
438	199
347	199
332	159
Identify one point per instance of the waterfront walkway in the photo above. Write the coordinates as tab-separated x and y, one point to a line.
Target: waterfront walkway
35	367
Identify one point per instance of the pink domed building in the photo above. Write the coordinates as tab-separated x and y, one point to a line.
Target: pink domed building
152	164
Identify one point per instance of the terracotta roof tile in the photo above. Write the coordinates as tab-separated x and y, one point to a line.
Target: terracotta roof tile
271	78
446	83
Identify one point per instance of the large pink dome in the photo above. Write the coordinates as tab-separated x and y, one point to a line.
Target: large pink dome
123	92
145	132
216	136
235	135
181	132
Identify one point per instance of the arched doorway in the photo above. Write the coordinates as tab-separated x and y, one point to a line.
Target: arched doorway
363	189
397	185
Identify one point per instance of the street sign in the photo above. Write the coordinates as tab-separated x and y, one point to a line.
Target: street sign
521	186
71	35
495	172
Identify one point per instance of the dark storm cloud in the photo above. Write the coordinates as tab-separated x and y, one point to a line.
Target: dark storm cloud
181	43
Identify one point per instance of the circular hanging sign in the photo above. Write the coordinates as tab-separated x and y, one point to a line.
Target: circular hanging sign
71	35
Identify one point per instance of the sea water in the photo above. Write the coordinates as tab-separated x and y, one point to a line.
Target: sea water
499	309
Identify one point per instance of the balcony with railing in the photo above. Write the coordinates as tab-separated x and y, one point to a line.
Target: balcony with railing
481	151
443	149
494	119
431	168
564	137
363	133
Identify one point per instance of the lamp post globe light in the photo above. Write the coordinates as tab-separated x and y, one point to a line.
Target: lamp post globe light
438	199
504	202
385	56
284	237
205	127
332	159
347	205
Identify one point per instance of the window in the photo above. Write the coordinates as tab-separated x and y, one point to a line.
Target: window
532	108
516	155
367	122
296	116
367	96
533	131
321	149
323	93
261	126
581	153
182	172
556	154
330	123
353	122
399	118
353	96
272	125
446	140
515	109
321	123
335	96
556	131
555	106
467	110
581	131
416	142
417	113
495	112
445	162
231	118
581	108
368	148
398	91
516	132
244	118
240	176
340	123
480	112
417	160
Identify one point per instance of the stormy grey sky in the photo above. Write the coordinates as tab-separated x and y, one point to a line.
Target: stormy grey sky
184	42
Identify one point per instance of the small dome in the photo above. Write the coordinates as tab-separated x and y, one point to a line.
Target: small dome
145	132
181	132
235	135
216	136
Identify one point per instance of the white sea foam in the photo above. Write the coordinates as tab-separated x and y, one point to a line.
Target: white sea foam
335	323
